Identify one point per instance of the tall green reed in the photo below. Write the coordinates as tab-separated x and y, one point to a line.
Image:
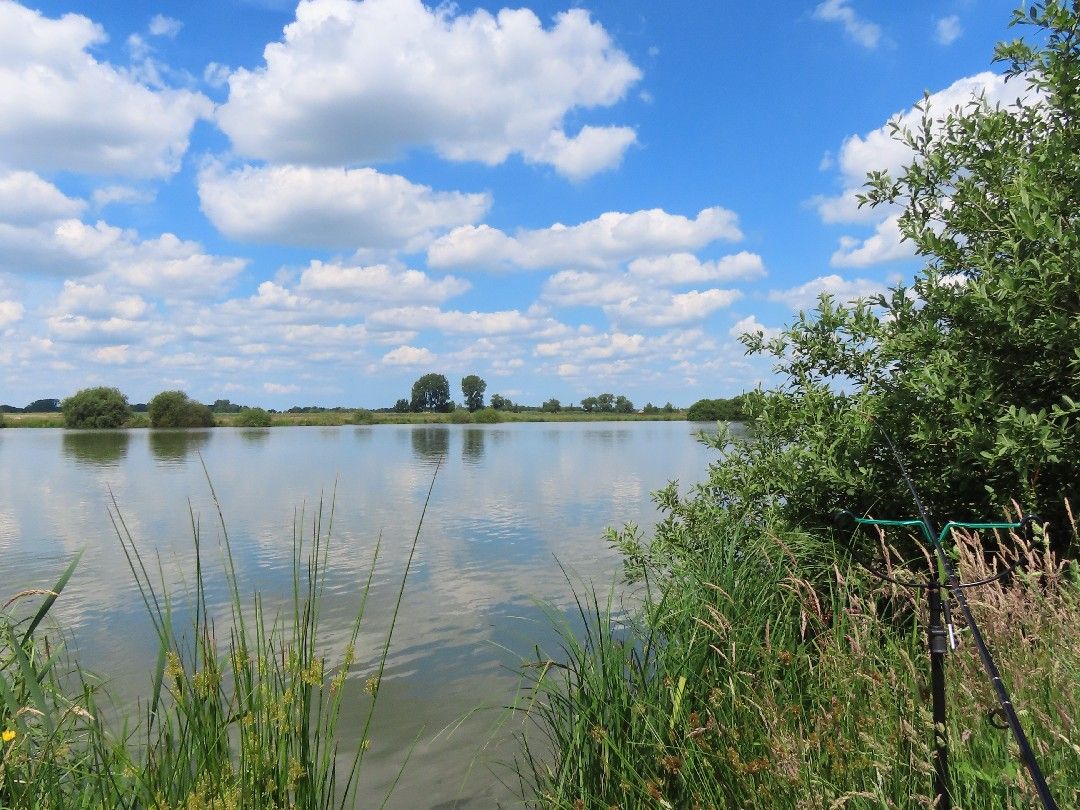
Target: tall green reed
244	703
764	672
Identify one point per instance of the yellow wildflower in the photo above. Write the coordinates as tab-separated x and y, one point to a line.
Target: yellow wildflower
8	734
174	669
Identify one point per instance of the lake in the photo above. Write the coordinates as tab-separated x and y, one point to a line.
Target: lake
510	503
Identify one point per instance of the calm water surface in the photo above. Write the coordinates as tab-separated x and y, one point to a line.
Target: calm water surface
509	501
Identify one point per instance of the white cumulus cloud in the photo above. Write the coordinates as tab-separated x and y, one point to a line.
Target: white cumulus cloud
667	309
878	150
612	237
884	245
280	388
378	283
590	151
331	208
408	356
27	199
582	288
60	108
125	195
686	268
859	29
10	312
162	26
751	324
95	300
355	82
503	322
804	296
948	30
593	347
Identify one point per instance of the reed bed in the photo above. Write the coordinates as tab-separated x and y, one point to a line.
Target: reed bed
243	706
764	672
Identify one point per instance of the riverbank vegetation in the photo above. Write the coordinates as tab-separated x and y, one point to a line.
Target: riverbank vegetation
242	705
767	668
428	403
243	416
764	671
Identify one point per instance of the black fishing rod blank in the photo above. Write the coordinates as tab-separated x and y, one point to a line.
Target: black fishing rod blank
940	637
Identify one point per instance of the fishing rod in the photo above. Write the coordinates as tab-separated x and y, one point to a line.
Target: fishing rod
939	641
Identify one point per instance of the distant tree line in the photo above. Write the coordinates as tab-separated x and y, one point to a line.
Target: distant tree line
37	406
105	407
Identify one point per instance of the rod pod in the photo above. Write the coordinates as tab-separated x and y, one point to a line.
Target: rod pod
937	639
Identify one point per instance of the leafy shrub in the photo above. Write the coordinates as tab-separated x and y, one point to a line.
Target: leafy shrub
487	416
973	370
138	420
460	416
252	417
717	410
100	407
173	409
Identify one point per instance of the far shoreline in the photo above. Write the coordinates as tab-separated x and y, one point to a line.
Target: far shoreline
366	418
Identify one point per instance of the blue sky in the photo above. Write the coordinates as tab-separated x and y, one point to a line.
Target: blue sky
315	204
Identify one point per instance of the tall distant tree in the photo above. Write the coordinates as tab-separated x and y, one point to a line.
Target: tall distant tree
605	403
472	388
401	406
552	406
431	393
623	404
588	404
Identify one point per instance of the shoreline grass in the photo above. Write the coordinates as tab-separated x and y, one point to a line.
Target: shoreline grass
243	707
766	672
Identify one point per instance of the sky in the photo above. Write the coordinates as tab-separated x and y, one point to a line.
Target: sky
315	204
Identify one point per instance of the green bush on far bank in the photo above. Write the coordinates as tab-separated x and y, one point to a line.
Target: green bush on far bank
487	416
718	410
252	417
100	407
174	409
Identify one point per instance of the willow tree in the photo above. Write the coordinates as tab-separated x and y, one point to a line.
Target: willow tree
974	369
